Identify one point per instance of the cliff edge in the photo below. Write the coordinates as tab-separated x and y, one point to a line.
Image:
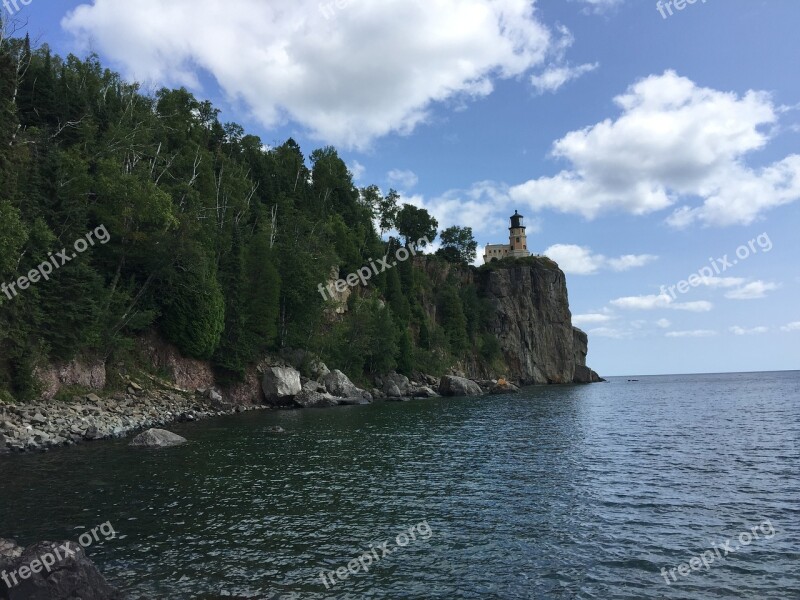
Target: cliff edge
532	320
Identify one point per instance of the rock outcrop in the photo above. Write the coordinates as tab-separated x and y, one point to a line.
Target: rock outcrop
583	374
339	385
459	386
72	575
532	321
154	439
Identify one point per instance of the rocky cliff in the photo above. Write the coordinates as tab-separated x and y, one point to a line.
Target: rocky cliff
532	320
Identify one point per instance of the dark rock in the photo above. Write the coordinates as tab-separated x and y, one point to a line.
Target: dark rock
72	576
531	319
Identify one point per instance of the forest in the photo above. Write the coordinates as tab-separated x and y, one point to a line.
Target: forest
216	241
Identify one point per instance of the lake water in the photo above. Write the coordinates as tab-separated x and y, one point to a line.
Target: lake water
558	492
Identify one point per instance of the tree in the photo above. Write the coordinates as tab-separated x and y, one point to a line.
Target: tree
416	225
458	245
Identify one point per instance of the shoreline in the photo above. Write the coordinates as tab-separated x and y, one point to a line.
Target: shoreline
45	425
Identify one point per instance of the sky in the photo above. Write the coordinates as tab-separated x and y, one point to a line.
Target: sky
646	145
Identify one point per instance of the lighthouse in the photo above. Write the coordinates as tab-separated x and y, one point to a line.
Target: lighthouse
517	246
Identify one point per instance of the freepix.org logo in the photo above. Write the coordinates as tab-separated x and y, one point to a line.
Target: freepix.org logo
54	262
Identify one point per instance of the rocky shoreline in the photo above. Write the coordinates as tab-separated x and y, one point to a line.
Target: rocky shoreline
43	425
50	424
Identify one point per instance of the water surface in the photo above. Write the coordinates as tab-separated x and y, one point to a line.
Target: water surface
559	492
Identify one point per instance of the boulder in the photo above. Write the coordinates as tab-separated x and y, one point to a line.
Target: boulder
72	576
280	385
503	387
157	438
315	399
319	369
459	386
401	382
340	386
423	392
392	391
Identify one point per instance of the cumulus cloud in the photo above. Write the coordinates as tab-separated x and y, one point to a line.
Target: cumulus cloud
654	302
752	290
579	260
405	180
737	330
480	207
371	69
696	333
795	326
590	319
674	141
556	76
609	332
664	323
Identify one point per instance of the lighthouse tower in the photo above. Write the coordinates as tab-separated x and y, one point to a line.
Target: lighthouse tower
517	246
518	239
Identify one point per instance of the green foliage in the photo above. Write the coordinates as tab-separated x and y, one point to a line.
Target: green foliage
194	312
416	225
214	241
458	245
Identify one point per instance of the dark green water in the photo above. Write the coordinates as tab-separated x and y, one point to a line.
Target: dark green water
569	492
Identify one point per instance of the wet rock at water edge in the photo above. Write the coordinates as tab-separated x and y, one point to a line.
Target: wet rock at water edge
281	385
72	575
459	386
156	439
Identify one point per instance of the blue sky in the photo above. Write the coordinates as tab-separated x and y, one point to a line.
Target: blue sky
638	147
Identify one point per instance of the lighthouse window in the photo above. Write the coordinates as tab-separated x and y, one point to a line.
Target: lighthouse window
518	240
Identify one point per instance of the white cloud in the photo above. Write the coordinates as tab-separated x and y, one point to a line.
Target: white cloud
722	282
599	6
579	260
374	69
358	170
609	332
481	207
664	323
795	326
674	141
590	318
736	330
405	180
654	302
555	76
752	291
697	333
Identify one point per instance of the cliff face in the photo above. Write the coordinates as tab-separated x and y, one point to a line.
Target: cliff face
532	321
